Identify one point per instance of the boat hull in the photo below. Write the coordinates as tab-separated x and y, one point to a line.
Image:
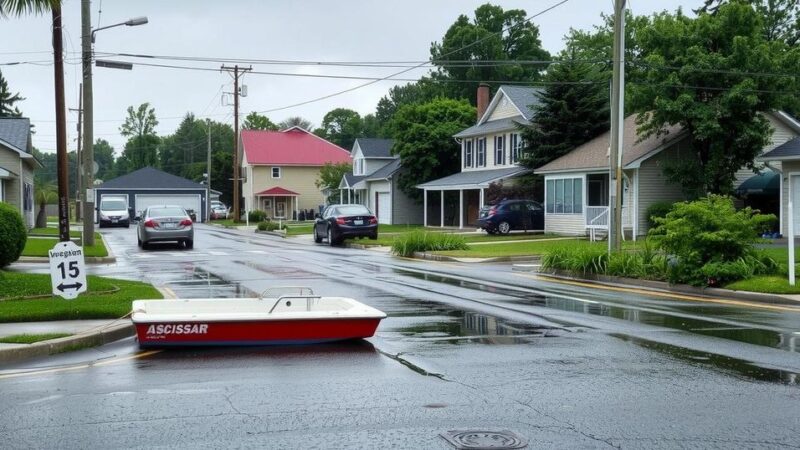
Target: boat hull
256	332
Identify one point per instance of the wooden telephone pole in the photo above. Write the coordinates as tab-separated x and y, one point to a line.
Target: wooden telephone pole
61	128
615	229
237	72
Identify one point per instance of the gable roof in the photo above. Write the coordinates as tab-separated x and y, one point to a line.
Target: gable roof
277	191
14	131
349	180
492	126
385	171
150	178
375	147
292	147
786	151
524	98
594	154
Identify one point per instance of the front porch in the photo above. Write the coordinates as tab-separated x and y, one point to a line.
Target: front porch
277	203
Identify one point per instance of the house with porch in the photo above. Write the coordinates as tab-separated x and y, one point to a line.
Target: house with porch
280	170
374	183
17	165
490	153
783	172
577	184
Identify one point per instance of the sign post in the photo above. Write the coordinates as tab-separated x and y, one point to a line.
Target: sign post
67	270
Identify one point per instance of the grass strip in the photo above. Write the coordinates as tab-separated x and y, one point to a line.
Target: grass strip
768	284
31	338
40	247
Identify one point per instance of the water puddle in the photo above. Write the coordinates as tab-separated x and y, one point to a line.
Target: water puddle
737	367
189	281
281	272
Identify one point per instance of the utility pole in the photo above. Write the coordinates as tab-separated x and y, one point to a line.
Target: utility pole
208	174
79	188
236	75
87	153
61	127
617	122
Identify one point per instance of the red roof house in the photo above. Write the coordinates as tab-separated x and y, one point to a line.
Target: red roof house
280	170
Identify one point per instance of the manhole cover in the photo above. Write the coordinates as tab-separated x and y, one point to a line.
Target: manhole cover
483	439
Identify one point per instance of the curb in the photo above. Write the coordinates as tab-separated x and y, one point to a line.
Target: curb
664	287
271	233
61	345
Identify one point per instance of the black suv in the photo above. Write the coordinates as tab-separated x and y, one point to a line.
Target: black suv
511	215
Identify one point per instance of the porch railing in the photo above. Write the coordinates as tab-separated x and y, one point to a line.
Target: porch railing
597	217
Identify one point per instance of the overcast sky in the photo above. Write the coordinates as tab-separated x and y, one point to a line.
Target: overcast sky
309	30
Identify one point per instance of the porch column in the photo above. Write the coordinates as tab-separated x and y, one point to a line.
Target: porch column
349	191
480	200
460	208
424	207
341	195
441	210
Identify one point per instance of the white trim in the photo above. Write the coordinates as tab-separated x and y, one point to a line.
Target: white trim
788	120
493	105
424	207
101	188
441	209
461	208
635	211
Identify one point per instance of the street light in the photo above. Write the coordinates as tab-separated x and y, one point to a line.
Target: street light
87	160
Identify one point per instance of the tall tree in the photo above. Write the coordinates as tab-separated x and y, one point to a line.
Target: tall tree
574	109
423	136
256	121
421	91
493	35
781	18
341	126
104	156
295	121
330	175
7	100
704	75
141	149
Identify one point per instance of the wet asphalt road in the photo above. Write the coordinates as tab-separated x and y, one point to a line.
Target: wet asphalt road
475	347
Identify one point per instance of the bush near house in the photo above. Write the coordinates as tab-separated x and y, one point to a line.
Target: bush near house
424	241
657	210
12	234
257	215
269	226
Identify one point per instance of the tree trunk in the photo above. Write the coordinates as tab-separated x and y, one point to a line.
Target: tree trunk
41	217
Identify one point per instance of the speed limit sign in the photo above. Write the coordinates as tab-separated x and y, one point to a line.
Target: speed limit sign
67	270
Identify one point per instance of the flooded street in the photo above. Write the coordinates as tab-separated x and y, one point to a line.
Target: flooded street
465	347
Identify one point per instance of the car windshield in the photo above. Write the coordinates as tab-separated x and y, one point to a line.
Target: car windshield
167	211
113	205
352	210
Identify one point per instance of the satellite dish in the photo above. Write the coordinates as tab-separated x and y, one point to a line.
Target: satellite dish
95	167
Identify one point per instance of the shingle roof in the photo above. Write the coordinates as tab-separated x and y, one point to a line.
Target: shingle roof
376	148
493	126
277	191
524	97
788	150
474	177
150	178
15	131
351	179
385	171
594	154
292	147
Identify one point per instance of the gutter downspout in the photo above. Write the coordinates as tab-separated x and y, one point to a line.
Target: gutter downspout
790	222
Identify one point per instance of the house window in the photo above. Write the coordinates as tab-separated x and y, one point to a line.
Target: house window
468	153
480	154
515	144
276	172
499	150
359	167
564	196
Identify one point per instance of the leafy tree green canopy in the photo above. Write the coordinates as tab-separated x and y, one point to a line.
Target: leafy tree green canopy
423	136
141	150
704	74
493	35
330	175
781	18
341	126
256	121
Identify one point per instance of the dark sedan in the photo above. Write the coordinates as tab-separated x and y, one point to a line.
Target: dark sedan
339	222
511	215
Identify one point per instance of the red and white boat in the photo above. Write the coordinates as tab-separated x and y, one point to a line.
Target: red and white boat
300	318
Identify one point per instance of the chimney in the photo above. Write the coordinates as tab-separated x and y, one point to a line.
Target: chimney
483	99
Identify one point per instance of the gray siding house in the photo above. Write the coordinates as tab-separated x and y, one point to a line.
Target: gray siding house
17	165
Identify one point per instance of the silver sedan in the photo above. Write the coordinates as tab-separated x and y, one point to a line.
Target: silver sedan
165	224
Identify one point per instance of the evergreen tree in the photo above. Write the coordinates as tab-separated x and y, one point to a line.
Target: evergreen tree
7	100
574	109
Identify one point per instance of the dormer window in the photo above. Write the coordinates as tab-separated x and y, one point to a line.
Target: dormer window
358	167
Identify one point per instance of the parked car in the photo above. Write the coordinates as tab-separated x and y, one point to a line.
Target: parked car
338	222
165	224
113	211
192	215
219	211
511	215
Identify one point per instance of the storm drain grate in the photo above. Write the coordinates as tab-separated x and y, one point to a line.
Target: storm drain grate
483	439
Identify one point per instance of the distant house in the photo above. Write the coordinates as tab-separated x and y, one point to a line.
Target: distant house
577	184
374	183
490	153
149	186
784	159
17	165
281	168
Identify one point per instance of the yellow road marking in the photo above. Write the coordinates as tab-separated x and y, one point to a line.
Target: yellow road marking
663	294
81	366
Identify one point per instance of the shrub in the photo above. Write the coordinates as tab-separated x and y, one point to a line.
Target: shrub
709	231
12	234
257	215
424	241
657	210
576	260
269	226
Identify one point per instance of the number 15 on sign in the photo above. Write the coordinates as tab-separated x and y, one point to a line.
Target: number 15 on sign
67	270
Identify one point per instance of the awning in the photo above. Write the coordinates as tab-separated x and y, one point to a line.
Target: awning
765	183
277	192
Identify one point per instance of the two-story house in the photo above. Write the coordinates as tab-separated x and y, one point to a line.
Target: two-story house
281	169
490	153
17	164
374	183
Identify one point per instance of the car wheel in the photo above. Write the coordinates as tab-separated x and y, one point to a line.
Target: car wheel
317	237
330	238
138	241
373	236
127	224
189	243
145	246
503	227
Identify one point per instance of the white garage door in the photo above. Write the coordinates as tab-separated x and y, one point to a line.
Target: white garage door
187	201
384	208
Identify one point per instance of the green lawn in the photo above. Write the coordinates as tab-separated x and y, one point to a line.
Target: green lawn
107	298
769	284
518	248
40	247
52	231
387	239
31	338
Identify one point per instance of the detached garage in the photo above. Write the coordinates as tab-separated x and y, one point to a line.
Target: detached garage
148	186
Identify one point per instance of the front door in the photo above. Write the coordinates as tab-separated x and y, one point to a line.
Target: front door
383	207
280	208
